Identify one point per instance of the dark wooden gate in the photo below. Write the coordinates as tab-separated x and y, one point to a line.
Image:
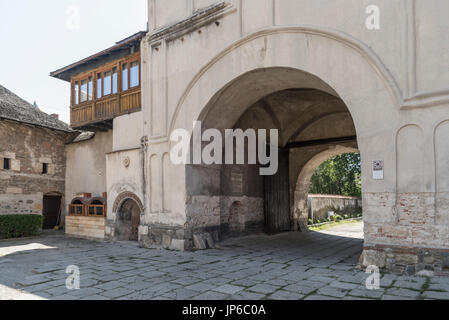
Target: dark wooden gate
135	222
50	211
277	197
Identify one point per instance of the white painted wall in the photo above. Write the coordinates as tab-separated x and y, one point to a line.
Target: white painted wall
128	129
86	166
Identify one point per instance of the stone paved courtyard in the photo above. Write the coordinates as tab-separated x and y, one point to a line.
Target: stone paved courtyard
314	265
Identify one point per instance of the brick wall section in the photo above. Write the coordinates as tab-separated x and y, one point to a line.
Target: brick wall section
21	191
402	232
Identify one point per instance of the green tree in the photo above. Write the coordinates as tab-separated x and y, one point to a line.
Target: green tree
340	175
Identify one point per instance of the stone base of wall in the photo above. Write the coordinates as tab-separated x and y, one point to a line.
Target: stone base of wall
250	227
169	237
407	260
86	227
21	203
179	238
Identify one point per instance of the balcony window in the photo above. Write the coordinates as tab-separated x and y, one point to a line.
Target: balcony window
83	96
125	77
107	83
111	79
114	81
134	74
77	92
90	89
99	86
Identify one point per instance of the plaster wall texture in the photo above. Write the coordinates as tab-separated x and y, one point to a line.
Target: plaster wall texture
127	131
86	166
124	175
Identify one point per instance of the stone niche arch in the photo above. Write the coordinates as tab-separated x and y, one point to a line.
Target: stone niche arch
441	173
98	201
301	192
78	201
124	196
128	211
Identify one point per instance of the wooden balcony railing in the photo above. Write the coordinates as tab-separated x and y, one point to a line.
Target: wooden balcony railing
106	108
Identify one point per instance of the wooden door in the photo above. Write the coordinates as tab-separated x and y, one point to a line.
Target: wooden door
277	197
135	222
50	211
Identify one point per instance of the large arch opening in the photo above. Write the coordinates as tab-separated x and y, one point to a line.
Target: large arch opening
302	202
331	188
313	123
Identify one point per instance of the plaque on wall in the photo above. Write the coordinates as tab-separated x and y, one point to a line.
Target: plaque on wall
378	170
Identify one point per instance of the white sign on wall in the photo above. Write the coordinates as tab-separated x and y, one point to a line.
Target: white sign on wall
378	170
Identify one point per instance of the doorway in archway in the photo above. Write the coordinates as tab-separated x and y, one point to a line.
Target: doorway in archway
128	221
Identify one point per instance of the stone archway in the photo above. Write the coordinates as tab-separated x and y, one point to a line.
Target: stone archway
128	221
245	74
236	79
301	191
128	210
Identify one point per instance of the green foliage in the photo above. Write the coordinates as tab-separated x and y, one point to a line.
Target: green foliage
16	226
340	175
337	218
332	225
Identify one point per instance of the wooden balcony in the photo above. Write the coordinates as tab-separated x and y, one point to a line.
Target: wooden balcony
98	114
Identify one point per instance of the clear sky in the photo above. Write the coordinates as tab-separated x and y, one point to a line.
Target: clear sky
40	36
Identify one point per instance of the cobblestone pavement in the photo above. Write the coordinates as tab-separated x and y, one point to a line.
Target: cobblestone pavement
294	266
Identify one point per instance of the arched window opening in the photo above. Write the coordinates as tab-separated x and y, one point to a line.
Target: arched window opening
96	208
76	208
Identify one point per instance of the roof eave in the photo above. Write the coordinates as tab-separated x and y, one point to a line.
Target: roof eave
62	72
39	125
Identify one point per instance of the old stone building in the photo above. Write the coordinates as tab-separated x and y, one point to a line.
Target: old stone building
32	159
372	79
